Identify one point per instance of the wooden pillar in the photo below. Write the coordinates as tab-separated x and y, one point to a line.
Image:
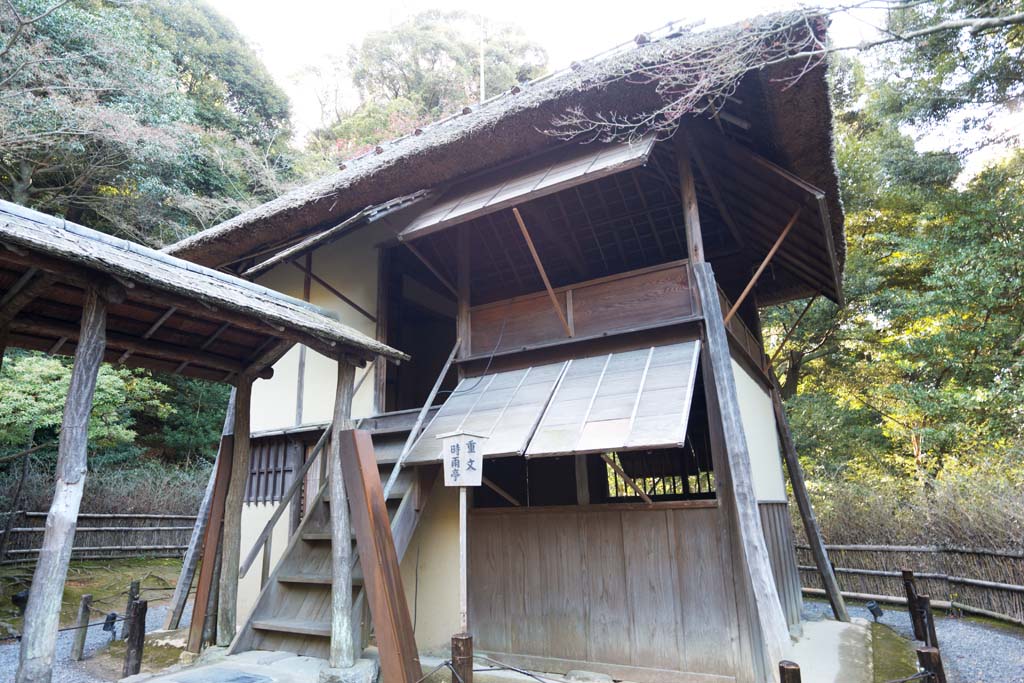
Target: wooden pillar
231	545
789	672
463	268
462	657
343	650
42	615
136	637
733	474
803	503
931	662
209	573
688	192
82	623
195	543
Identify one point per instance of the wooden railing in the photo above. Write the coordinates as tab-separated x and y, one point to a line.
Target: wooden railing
984	582
742	335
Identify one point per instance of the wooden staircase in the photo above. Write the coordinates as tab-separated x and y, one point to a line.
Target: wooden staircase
293	611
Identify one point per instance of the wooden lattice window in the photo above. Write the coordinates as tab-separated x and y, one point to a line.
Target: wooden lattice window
271	467
664	474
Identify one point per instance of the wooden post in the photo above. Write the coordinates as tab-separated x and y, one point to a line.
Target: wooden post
688	191
931	662
463	270
133	596
803	504
81	624
42	616
462	657
733	473
136	638
227	606
789	672
195	543
910	588
924	603
295	453
343	654
209	628
265	563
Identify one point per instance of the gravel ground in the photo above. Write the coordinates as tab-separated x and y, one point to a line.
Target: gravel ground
973	651
67	671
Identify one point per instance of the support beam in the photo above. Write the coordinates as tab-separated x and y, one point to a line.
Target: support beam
343	652
582	480
688	192
500	491
191	561
803	503
308	270
463	295
433	269
764	264
626	478
543	273
716	193
209	574
149	333
227	608
42	616
734	476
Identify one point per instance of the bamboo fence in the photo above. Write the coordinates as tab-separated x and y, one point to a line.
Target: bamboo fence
104	536
984	582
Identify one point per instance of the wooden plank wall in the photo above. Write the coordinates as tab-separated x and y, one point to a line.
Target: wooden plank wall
778	535
618	303
643	595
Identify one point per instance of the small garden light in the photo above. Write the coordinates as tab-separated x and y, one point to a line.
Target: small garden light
875	610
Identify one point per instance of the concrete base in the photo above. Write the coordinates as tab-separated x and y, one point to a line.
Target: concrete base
833	652
363	671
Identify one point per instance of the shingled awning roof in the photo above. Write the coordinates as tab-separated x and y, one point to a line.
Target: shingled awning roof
168	314
790	124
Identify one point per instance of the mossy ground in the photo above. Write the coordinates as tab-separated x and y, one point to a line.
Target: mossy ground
106	580
892	654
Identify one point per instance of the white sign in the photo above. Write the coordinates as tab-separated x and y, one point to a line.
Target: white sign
462	454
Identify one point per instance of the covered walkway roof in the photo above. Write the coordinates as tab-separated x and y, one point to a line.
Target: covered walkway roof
165	314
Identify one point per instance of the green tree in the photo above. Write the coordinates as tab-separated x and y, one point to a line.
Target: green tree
423	69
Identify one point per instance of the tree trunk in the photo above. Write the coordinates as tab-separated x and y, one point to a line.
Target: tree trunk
232	540
796	361
42	615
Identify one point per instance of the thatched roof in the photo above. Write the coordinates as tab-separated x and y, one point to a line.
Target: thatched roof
34	245
791	126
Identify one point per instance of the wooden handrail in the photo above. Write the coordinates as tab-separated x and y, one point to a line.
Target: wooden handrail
424	411
293	488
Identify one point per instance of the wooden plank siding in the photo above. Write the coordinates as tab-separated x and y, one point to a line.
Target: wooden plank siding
639	299
778	535
644	595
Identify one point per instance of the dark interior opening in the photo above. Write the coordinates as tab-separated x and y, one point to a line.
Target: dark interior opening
421	321
668	474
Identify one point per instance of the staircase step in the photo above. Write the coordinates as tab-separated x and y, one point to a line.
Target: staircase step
317	536
316	580
402	486
299	626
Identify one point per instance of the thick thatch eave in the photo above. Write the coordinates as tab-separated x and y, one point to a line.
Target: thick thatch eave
792	127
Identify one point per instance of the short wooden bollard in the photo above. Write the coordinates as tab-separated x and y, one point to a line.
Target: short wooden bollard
133	595
913	606
136	638
789	672
925	607
78	644
931	661
462	658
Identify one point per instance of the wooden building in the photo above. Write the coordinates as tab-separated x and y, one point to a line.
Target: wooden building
589	307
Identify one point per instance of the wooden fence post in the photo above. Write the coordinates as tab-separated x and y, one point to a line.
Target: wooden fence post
136	638
133	595
931	661
925	609
789	672
910	588
78	644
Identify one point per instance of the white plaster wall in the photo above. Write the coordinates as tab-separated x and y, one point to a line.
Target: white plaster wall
254	517
350	266
758	417
436	603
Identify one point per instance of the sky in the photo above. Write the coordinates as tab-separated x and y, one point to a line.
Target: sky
301	33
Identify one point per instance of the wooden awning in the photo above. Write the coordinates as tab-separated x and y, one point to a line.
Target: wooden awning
627	400
562	168
165	314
